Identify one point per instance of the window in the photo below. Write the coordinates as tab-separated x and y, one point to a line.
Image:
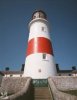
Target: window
44	56
43	29
59	74
11	75
69	74
20	75
34	17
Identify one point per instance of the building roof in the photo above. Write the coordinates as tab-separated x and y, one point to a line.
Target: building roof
65	71
12	72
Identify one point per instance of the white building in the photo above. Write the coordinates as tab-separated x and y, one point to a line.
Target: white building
12	73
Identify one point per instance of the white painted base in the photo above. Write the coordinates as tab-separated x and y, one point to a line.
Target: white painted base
39	68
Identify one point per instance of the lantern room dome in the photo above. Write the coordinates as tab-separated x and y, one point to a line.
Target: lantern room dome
39	14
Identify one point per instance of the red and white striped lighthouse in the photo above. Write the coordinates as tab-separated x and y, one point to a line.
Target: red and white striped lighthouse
39	63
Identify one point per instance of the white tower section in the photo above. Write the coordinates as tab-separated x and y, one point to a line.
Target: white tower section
39	63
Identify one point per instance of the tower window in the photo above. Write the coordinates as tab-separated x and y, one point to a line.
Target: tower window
43	29
44	56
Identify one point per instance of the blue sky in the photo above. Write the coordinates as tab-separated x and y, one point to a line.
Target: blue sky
14	18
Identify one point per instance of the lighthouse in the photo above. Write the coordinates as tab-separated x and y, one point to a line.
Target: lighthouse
39	63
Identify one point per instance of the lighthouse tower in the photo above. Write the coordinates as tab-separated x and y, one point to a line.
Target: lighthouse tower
39	63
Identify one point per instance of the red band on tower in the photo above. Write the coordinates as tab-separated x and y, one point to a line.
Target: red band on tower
39	45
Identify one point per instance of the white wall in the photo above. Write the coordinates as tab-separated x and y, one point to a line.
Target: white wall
13	75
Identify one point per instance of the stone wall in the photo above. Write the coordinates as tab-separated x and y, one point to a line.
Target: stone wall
58	84
16	88
65	82
12	85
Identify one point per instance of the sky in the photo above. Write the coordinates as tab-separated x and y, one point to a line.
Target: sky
15	16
